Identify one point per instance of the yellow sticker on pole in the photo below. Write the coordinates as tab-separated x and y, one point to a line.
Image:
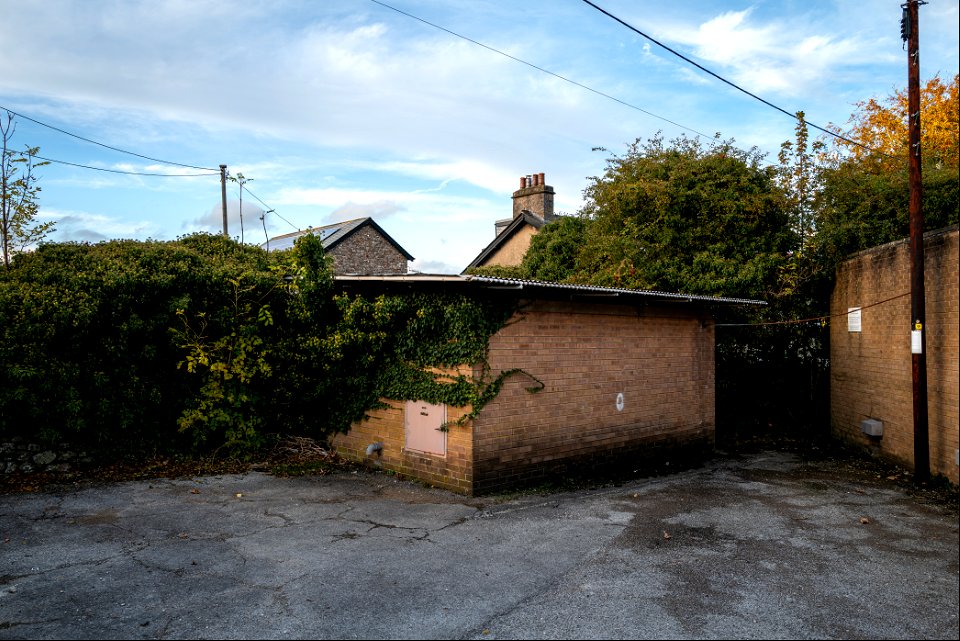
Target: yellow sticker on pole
918	326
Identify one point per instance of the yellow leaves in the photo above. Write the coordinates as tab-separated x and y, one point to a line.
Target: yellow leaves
881	125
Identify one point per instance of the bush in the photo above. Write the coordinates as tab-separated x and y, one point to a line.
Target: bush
136	348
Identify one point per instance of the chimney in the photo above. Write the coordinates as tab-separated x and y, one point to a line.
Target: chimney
535	196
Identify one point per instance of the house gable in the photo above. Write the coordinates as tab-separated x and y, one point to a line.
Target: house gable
358	246
511	245
532	209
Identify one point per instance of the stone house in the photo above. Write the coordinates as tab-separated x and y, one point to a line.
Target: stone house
871	374
532	209
627	375
358	246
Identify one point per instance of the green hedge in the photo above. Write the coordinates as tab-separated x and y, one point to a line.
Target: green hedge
202	344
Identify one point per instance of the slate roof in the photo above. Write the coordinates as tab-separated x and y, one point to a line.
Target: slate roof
332	235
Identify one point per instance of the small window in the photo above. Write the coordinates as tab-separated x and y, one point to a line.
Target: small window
422	422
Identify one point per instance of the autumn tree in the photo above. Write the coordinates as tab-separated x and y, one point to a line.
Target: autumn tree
877	135
18	195
863	200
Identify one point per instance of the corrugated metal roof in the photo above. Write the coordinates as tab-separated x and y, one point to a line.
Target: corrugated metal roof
519	284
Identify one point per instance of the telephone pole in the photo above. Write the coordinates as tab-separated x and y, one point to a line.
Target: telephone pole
910	32
223	196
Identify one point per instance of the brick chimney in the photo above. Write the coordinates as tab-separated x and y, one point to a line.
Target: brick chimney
535	196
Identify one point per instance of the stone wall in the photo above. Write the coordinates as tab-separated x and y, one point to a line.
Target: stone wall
367	252
18	455
871	372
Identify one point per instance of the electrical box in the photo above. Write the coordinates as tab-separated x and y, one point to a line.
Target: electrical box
871	427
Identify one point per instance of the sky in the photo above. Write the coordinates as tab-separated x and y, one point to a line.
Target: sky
342	109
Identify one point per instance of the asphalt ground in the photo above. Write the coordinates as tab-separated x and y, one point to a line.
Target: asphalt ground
771	545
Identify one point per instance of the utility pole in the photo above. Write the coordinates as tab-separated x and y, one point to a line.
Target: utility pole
910	32
223	195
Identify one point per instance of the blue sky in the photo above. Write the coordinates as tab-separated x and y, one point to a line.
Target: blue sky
346	108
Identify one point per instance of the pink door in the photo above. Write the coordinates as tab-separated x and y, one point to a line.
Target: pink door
422	423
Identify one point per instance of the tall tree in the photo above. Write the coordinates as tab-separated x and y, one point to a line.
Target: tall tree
705	219
800	179
18	195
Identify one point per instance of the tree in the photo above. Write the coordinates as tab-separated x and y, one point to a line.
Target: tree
879	135
685	217
864	195
553	250
18	196
800	179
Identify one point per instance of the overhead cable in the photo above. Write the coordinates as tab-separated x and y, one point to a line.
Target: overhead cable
541	69
722	79
814	319
269	208
94	142
118	171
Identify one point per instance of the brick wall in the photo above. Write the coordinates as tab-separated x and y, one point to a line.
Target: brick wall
661	360
367	252
453	471
871	373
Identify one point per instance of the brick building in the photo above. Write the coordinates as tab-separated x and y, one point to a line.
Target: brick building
357	246
532	209
871	379
626	375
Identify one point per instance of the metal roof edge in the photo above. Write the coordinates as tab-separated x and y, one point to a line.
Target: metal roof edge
520	284
610	291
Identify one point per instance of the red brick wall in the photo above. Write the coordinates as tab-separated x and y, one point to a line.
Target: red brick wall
871	370
367	252
661	360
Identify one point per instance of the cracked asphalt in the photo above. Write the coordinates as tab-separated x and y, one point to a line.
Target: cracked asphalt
767	546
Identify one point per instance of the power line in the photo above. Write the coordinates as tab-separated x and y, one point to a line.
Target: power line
541	69
118	171
270	209
722	79
94	142
814	319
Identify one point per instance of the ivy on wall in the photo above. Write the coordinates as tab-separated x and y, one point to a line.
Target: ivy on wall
434	336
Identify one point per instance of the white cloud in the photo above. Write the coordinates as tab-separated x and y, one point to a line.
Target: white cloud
377	210
790	59
84	226
212	221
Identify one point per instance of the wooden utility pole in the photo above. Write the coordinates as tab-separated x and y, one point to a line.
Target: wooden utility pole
223	195
910	31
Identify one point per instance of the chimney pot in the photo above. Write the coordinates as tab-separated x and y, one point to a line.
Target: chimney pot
543	180
523	182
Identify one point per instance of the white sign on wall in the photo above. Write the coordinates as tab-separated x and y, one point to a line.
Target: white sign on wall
853	320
